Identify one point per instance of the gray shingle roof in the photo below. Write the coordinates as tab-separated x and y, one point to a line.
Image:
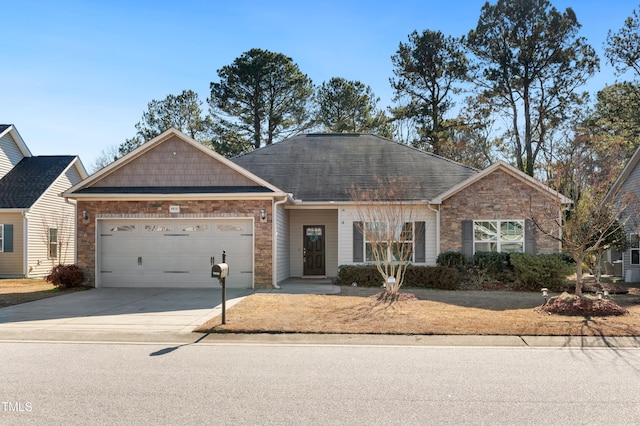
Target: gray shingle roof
323	167
4	127
29	179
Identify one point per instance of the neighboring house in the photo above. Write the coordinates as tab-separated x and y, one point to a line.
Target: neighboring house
626	193
37	225
163	214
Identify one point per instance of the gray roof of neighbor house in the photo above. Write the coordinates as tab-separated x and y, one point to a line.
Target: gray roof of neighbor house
324	167
29	179
4	127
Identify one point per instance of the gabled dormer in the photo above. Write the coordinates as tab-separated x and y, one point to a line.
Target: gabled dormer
12	148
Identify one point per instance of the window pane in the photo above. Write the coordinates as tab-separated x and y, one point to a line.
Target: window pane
485	231
511	231
635	241
381	248
485	247
512	247
635	257
404	251
407	232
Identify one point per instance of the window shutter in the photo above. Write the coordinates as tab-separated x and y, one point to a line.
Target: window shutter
529	237
358	242
467	238
419	244
8	238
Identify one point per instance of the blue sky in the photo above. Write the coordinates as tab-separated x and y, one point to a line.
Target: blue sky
76	76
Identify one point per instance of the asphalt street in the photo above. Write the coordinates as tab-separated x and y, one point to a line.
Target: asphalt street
305	384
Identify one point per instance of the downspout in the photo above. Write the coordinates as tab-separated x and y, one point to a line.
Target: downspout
274	241
25	244
437	212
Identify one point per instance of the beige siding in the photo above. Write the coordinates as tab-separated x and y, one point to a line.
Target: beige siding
174	163
51	211
11	264
10	155
299	218
348	215
283	266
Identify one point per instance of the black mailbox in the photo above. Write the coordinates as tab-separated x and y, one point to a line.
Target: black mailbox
219	270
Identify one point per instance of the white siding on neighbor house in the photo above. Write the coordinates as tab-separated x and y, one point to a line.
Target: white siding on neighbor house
349	215
51	211
283	265
11	264
302	217
631	187
10	155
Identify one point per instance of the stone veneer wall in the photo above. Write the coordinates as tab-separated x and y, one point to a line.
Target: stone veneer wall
188	208
498	195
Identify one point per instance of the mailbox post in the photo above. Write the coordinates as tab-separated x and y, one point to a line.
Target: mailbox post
220	271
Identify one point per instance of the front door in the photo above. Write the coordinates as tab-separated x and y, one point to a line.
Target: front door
313	250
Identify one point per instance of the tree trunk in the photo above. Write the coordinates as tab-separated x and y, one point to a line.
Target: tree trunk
579	261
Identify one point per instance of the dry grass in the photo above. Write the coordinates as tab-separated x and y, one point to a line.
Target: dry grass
16	291
283	313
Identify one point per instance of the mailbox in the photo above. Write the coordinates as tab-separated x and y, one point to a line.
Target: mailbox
220	271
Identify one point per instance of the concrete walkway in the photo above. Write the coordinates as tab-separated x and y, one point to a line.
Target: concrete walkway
130	314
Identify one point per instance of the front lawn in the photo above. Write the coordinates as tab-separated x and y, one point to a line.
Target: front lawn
448	312
16	291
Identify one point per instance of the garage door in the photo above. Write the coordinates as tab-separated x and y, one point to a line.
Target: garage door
174	253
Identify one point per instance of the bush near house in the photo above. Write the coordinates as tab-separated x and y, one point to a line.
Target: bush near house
515	271
438	277
65	276
532	272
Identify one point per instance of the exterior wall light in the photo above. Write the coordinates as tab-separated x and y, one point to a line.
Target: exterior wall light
263	215
85	216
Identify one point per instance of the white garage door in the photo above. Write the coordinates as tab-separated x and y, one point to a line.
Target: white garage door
174	253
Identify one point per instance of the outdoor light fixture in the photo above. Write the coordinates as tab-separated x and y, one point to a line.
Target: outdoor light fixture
263	215
545	294
599	295
85	215
606	293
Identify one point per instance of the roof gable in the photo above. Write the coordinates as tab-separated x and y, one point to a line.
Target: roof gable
324	167
171	163
624	176
31	178
501	165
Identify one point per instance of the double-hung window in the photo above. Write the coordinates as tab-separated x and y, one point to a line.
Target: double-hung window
53	243
635	249
498	236
388	241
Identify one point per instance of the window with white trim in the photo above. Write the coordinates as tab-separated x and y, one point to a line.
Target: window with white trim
498	236
634	240
53	243
379	233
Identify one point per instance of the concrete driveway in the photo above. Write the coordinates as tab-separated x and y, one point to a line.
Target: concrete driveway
130	314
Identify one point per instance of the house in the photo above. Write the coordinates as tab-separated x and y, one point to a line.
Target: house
164	213
625	191
37	225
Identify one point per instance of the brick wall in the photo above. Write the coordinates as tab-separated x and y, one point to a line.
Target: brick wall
498	195
188	208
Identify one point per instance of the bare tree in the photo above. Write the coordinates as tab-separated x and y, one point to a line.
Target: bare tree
387	216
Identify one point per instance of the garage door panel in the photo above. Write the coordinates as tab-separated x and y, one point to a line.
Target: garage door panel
164	253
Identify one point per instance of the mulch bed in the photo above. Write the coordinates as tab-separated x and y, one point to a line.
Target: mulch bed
574	305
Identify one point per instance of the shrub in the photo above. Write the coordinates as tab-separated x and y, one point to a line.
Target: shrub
65	276
452	259
415	276
490	261
534	272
